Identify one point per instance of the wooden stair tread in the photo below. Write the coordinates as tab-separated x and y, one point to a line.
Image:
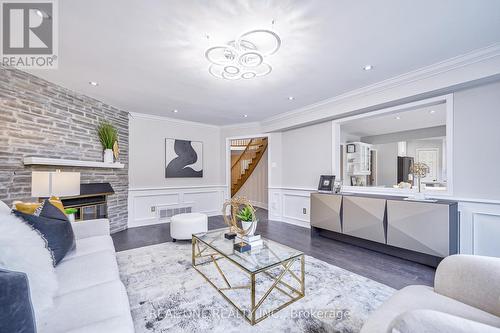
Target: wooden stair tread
254	151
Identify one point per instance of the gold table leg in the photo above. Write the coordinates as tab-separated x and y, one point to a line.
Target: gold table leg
251	316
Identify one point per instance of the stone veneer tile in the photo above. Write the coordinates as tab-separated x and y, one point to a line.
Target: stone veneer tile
39	118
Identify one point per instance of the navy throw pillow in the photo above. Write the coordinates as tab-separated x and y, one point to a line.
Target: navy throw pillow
16	311
47	209
58	234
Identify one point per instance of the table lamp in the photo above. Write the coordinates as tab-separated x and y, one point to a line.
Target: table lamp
46	184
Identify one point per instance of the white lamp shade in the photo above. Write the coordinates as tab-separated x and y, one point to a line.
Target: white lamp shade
59	184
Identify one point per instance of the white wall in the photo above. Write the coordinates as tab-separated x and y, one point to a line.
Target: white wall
256	187
387	163
306	154
149	189
147	151
477	142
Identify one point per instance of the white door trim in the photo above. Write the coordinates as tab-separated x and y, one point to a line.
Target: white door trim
228	159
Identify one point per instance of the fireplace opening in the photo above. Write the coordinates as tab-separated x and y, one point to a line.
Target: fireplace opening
92	201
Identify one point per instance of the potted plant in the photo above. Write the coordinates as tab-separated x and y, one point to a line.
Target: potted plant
247	217
70	212
108	135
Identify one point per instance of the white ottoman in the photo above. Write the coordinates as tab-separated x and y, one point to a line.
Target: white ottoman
182	226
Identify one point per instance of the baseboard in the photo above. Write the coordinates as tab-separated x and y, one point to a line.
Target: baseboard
299	223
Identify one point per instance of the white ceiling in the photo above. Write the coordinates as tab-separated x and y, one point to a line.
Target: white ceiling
397	122
148	56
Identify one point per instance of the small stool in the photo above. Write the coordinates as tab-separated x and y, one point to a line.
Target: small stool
182	226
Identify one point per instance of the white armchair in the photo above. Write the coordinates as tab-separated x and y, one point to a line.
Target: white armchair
465	298
473	280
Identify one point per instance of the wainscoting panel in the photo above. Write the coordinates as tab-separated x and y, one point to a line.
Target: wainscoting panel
480	228
204	201
274	204
142	204
145	204
290	205
486	225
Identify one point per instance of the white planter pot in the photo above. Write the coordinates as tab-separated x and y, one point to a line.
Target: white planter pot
108	156
71	217
246	225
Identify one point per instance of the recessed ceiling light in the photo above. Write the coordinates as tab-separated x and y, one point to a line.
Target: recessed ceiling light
93	83
397	117
245	116
432	111
291	98
175	111
368	67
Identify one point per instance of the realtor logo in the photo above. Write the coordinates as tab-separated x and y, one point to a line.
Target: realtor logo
29	34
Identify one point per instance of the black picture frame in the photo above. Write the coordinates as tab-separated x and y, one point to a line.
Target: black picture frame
326	183
351	148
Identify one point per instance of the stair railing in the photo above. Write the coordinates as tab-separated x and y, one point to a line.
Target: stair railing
241	165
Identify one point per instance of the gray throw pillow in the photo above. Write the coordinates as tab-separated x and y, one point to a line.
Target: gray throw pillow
16	312
57	233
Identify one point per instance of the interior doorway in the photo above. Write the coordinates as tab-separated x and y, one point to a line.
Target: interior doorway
429	156
248	171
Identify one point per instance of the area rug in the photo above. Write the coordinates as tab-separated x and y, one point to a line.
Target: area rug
167	295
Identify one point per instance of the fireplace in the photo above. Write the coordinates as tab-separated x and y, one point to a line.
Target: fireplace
91	203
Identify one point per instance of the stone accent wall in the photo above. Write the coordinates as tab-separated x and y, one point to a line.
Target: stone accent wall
38	118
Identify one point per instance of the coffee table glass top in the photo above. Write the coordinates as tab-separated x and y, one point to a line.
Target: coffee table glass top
261	258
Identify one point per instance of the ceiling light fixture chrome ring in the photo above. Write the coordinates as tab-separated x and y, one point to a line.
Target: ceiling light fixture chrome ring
226	56
248	75
250	59
233	70
230	76
246	36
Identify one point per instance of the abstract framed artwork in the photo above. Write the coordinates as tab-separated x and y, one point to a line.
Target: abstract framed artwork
183	159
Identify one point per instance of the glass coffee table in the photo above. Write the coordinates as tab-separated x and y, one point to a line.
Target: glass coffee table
276	267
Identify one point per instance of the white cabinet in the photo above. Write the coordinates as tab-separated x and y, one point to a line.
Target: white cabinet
358	162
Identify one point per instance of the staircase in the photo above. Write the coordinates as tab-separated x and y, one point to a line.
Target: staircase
244	165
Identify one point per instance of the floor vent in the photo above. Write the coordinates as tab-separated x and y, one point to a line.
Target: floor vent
167	213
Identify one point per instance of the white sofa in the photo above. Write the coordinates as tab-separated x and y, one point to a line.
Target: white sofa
465	298
91	298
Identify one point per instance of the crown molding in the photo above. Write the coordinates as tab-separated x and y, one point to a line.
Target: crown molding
241	125
434	70
134	115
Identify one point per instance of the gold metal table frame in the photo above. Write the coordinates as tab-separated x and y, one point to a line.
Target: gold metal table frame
201	249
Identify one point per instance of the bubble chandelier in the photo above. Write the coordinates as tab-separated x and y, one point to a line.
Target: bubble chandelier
244	57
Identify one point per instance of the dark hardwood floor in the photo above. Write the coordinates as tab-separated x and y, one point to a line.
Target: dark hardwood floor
389	270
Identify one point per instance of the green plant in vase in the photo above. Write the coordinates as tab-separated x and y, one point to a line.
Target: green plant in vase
108	135
70	212
246	215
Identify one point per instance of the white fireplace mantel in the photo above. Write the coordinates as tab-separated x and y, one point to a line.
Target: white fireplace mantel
71	163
